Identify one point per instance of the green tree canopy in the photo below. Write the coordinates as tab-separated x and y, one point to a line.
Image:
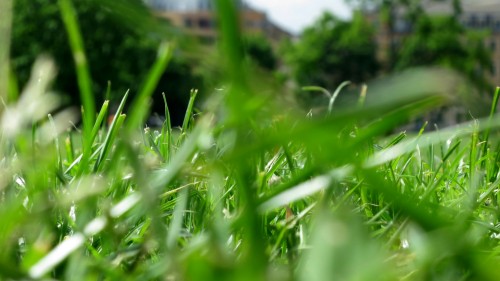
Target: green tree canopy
120	38
444	41
332	51
259	50
434	40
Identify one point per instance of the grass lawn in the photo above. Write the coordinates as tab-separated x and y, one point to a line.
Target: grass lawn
248	189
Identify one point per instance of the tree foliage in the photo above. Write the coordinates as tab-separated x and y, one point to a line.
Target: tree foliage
444	41
259	50
433	40
413	7
120	38
332	51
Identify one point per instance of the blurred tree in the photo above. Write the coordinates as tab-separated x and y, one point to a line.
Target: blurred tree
332	51
444	41
259	50
120	39
389	10
413	7
434	40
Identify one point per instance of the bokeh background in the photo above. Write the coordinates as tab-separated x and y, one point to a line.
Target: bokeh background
300	43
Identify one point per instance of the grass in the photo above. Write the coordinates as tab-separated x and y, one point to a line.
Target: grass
247	190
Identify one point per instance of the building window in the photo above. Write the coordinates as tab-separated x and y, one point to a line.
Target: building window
488	20
473	22
258	24
401	26
205	23
188	22
493	45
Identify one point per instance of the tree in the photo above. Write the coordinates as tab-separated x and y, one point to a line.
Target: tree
120	38
389	10
444	41
434	40
259	50
332	51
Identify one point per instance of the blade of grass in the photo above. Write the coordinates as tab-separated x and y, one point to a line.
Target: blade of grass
189	112
102	114
178	219
112	132
318	89
166	132
13	91
109	141
336	94
362	95
56	144
238	101
494	105
140	106
69	148
305	189
69	17
150	142
428	139
232	45
107	96
5	30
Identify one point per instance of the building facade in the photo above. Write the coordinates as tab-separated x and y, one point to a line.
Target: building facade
198	18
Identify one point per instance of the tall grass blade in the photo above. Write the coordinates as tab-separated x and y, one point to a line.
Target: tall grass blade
140	105
178	219
362	95
190	111
432	138
493	110
336	94
68	14
305	189
166	132
318	89
118	119
240	111
5	30
61	252
99	121
56	144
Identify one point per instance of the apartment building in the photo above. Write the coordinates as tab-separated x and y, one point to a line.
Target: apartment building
198	18
477	15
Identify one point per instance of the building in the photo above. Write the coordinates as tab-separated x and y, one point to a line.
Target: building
477	14
198	18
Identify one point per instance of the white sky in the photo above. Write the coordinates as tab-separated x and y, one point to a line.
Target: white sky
294	15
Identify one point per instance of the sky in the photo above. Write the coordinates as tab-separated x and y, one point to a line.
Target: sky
294	15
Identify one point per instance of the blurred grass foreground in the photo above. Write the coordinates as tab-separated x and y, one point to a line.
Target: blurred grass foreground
249	185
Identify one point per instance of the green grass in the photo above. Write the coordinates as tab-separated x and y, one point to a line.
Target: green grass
247	189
